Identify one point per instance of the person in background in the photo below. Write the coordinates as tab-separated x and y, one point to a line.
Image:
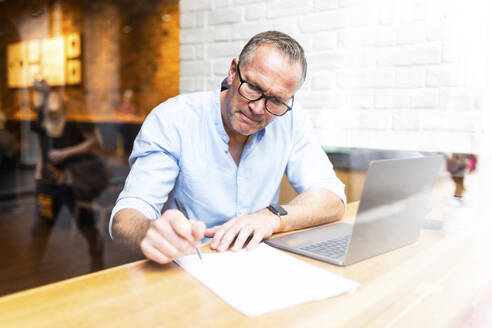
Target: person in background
61	144
223	154
126	131
127	106
7	146
458	165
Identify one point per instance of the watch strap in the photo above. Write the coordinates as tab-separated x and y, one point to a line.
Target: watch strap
280	212
283	223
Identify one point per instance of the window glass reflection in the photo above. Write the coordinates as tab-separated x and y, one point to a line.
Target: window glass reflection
77	80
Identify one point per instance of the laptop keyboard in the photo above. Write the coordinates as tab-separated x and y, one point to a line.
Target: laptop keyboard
334	248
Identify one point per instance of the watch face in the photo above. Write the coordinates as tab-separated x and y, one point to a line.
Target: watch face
277	209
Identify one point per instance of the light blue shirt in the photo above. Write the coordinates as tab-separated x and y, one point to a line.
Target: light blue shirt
182	151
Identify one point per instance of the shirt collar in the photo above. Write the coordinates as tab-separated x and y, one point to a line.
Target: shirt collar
219	125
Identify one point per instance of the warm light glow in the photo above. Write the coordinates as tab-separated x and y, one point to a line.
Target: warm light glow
53	61
45	59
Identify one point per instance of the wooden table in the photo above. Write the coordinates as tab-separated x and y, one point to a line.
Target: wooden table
440	281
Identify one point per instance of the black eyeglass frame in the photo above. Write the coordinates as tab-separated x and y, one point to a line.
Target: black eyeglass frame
262	95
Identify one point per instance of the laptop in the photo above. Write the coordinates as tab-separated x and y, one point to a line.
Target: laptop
395	199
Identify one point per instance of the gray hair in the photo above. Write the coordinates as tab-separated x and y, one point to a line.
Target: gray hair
283	42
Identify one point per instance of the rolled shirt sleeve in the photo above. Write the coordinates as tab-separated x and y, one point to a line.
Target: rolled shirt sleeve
154	165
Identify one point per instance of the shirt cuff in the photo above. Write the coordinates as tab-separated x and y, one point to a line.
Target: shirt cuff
339	191
341	194
135	203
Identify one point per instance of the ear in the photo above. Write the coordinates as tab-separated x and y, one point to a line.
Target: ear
232	71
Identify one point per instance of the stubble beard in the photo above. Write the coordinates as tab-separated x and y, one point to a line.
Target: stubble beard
239	120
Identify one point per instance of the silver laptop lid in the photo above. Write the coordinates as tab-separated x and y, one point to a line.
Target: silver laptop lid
394	201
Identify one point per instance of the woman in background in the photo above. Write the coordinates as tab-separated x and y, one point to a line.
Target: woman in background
62	143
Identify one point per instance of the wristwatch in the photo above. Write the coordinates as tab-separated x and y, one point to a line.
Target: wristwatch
279	211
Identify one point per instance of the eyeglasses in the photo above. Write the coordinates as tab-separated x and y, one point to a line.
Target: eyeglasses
273	105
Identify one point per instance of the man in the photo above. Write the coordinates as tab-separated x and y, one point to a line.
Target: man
223	155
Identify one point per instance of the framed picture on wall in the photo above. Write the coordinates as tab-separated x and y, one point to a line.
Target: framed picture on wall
17	75
33	51
34	58
73	45
53	61
74	72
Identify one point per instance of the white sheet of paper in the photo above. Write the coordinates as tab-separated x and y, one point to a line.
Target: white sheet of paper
264	280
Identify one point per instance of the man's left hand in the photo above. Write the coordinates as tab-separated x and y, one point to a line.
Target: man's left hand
235	232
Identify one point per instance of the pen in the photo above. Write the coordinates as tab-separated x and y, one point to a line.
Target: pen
182	209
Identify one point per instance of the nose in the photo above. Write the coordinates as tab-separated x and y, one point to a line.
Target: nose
258	106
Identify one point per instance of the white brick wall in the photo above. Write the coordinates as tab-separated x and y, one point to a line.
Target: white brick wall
382	73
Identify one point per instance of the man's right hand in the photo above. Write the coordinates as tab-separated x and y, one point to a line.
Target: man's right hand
170	236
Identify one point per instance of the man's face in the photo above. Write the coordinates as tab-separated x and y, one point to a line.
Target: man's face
270	72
